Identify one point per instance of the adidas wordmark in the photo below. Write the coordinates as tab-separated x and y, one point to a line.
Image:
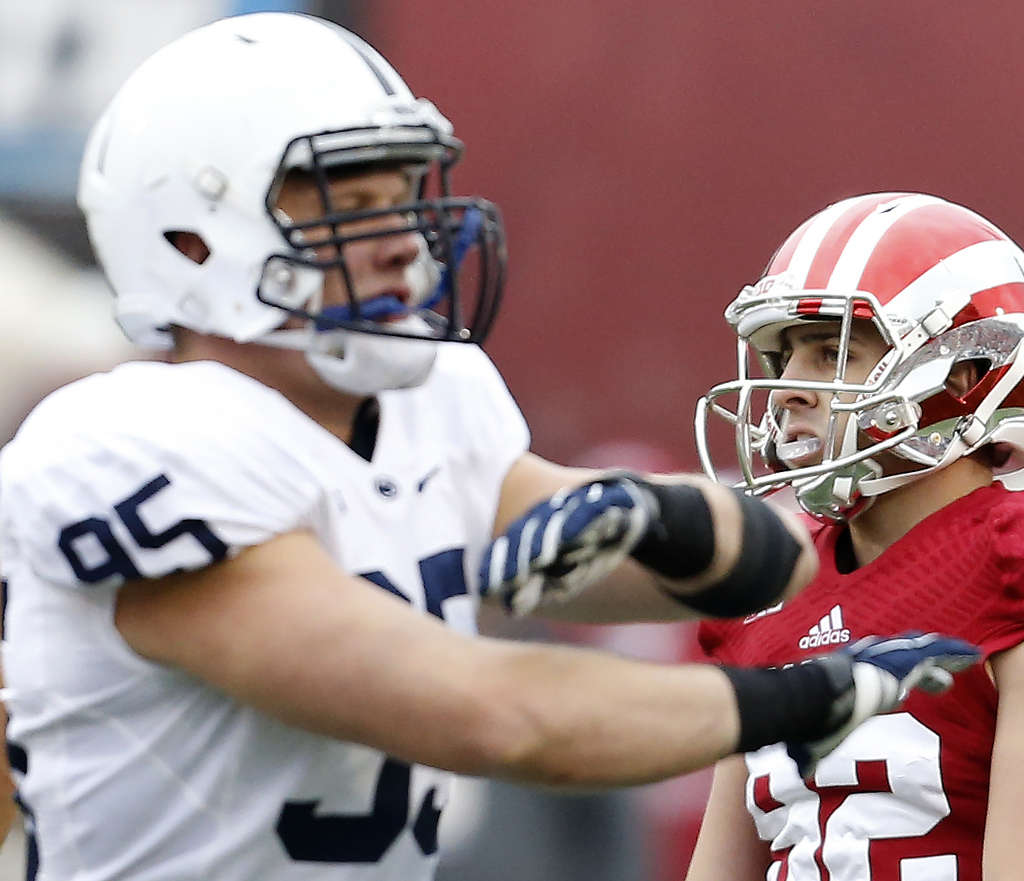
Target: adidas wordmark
828	631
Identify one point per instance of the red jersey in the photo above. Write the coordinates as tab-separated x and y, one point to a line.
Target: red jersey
904	797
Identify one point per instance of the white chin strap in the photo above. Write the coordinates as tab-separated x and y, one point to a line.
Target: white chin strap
369	364
363	363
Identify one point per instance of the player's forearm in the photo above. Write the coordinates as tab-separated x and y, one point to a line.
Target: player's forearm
627	547
344	659
519	711
580	718
529	713
571	717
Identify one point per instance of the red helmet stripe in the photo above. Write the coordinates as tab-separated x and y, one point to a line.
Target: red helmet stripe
810	242
838	236
808	306
917	241
1008	297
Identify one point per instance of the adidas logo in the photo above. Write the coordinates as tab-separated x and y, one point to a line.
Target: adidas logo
828	631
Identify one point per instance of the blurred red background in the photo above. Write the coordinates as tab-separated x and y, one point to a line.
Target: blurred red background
649	158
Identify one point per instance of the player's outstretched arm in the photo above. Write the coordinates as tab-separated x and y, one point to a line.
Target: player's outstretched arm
614	546
281	628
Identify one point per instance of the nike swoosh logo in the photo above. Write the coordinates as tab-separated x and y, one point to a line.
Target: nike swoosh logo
426	477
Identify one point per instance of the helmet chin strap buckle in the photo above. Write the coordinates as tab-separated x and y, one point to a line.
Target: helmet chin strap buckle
971	429
842	490
847	489
936	322
838	497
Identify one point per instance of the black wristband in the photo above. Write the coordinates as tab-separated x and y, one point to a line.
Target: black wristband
804	702
768	554
680	542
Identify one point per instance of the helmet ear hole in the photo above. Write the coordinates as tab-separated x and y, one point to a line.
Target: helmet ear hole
188	243
965	376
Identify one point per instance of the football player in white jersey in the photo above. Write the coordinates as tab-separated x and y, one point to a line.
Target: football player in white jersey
242	584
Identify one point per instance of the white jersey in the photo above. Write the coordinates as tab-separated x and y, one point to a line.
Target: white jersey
131	769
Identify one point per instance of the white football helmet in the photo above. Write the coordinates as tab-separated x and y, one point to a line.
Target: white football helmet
199	140
942	285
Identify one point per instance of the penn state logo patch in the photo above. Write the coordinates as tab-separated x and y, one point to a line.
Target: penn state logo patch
386	487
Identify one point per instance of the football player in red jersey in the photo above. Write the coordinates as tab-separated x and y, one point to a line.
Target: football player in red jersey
889	329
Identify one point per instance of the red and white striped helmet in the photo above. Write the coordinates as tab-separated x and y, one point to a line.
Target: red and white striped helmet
942	285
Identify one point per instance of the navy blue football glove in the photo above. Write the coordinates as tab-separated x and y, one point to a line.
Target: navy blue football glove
881	673
567	543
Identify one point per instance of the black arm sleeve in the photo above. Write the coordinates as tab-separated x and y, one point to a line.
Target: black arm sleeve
680	543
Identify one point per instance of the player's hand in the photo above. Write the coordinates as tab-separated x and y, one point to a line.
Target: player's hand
567	543
881	672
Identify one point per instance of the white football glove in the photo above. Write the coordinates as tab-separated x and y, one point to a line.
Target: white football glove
884	670
567	543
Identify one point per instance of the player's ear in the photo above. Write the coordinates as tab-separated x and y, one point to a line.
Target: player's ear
964	376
